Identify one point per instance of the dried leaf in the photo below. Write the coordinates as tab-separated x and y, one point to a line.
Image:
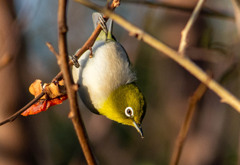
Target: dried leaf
36	88
36	108
55	90
43	105
55	93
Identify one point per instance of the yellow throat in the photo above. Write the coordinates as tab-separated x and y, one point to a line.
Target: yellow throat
117	105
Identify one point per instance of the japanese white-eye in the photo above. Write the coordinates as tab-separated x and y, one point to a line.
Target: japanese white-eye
107	81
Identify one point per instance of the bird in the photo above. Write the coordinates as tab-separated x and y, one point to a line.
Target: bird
107	80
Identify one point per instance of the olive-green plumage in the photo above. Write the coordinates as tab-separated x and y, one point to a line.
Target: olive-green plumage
125	96
107	82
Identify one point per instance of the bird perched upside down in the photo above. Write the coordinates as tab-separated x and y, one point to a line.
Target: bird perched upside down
107	80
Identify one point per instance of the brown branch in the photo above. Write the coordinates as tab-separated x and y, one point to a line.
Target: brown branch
187	28
15	115
51	48
236	7
166	5
5	60
72	95
186	124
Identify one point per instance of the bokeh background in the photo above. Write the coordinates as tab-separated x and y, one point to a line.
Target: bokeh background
49	138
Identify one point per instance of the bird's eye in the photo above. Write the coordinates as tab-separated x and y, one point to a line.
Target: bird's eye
129	112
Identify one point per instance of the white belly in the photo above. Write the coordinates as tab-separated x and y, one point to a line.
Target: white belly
98	76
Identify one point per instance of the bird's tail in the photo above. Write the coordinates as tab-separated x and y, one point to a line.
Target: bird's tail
108	25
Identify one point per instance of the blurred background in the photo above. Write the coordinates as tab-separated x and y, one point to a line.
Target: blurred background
49	138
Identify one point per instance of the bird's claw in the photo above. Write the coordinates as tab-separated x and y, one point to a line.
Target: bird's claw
75	61
102	23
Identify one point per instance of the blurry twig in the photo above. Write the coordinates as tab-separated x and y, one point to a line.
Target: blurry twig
197	95
236	7
51	48
206	10
185	31
5	60
186	63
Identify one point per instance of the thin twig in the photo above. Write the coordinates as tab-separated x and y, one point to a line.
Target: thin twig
210	12
236	8
5	60
185	32
51	48
186	123
186	63
72	95
15	115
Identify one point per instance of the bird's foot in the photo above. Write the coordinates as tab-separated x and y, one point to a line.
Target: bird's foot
102	23
74	60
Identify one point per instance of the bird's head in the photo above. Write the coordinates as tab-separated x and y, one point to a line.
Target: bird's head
126	105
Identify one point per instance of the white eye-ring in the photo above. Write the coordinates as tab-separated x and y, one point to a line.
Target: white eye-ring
129	112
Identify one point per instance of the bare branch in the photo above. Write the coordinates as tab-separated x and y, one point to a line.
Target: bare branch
5	60
18	113
51	48
186	63
72	95
185	32
209	12
236	7
186	123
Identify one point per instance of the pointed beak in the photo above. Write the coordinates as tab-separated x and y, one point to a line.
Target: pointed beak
139	129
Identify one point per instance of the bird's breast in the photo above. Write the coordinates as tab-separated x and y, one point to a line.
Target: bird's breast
108	69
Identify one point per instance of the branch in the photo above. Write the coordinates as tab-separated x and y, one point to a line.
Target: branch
205	12
236	7
185	32
15	115
72	95
51	48
5	60
186	123
186	63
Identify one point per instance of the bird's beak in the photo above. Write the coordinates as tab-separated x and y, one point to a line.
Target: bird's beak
139	128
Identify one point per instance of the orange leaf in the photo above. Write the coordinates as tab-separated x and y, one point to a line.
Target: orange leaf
36	108
55	93
36	88
57	100
43	105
